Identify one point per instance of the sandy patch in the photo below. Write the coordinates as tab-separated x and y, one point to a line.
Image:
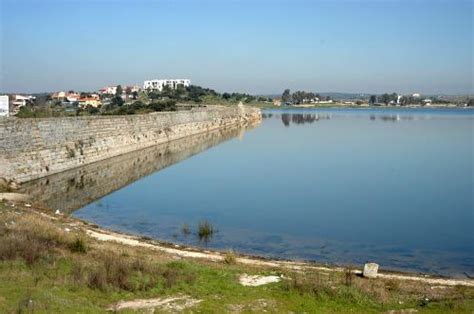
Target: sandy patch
174	304
256	280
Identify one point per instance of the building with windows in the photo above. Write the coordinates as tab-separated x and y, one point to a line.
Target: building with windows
4	105
89	102
171	83
63	96
20	101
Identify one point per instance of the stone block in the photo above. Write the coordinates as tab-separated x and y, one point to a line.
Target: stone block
370	270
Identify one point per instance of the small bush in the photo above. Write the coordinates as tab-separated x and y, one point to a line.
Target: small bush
78	246
97	279
176	273
29	238
348	276
116	271
230	258
313	283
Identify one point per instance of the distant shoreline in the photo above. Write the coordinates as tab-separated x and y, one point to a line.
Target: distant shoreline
344	106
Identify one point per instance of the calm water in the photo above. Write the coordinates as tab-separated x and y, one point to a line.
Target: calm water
334	186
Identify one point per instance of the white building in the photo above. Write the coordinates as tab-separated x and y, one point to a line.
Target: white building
111	90
20	100
159	84
416	95
4	107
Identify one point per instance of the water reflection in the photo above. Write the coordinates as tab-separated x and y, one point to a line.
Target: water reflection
347	190
73	189
390	118
302	118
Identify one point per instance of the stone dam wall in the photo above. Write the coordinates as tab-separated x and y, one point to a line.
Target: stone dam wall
35	148
75	188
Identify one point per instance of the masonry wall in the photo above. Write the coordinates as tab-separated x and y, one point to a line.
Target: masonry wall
35	148
72	189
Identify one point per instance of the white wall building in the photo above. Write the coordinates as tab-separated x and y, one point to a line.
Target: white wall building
4	107
112	90
159	84
20	100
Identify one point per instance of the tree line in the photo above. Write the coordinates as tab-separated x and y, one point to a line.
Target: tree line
300	97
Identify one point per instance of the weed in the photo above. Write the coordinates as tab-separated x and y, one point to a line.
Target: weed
185	230
230	258
205	230
78	246
71	153
348	275
176	273
77	272
29	238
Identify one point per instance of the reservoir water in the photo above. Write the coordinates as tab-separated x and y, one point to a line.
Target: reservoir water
338	186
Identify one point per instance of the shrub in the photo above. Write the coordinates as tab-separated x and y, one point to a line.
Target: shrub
308	283
78	246
177	273
230	258
29	238
97	279
117	271
348	275
163	105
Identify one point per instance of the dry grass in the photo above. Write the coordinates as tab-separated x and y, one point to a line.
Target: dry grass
230	258
348	275
30	237
114	270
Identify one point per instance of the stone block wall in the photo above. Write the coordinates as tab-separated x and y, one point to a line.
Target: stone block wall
72	189
35	148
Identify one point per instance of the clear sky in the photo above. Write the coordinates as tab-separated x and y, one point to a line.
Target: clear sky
258	46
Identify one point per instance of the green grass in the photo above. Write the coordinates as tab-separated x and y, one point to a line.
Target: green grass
70	273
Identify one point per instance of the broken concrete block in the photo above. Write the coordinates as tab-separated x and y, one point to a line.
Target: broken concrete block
370	270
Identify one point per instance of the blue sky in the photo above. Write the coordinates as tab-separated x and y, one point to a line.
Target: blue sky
258	46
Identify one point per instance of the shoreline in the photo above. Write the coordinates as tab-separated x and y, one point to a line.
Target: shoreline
343	106
214	255
56	263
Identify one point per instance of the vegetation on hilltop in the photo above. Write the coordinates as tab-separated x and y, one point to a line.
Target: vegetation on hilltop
138	102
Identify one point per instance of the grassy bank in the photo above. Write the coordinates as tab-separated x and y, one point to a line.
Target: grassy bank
49	264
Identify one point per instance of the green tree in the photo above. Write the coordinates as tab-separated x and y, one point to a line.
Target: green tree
385	98
372	99
116	101
286	96
119	90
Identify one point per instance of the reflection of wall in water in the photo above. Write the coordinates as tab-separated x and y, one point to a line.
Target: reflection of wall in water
73	189
35	148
